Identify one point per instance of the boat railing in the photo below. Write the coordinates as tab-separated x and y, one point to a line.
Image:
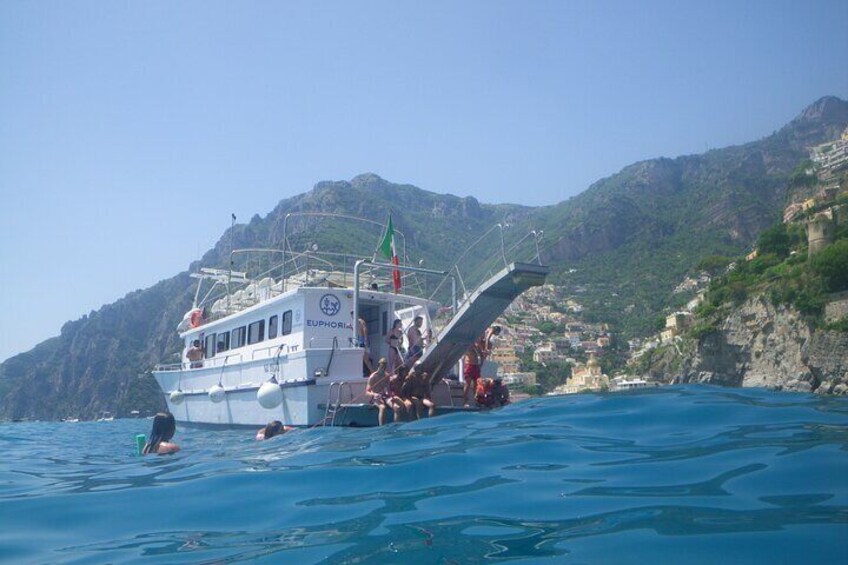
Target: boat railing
302	269
490	259
268	272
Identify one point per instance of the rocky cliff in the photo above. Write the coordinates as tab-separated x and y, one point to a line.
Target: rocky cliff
762	345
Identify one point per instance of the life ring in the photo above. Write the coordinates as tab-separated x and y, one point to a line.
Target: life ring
196	318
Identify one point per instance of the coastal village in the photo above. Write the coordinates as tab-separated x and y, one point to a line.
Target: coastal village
545	324
543	328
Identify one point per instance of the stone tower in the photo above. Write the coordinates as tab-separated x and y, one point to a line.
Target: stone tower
820	231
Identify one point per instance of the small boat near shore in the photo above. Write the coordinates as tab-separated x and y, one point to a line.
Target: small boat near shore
631	383
288	341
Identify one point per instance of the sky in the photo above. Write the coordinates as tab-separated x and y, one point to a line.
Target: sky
130	131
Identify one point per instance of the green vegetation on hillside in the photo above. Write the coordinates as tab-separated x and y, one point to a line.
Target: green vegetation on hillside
783	272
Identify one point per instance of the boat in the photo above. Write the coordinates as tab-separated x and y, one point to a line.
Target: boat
625	383
279	339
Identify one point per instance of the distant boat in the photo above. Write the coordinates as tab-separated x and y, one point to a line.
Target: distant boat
630	384
284	343
105	416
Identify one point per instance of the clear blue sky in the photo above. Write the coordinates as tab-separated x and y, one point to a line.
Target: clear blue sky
129	131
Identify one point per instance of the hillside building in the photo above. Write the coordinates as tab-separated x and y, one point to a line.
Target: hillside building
545	354
831	156
589	377
520	379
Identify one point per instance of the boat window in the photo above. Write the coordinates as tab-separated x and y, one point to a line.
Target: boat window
237	337
209	346
287	322
223	342
256	332
385	320
272	326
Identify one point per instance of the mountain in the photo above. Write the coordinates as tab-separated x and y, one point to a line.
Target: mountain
632	236
621	246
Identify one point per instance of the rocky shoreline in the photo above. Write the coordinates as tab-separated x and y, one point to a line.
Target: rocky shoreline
763	345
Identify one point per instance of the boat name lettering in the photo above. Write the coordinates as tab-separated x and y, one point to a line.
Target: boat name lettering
326	324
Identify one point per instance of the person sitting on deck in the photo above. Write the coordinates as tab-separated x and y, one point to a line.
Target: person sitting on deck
492	393
400	405
377	390
420	391
501	392
195	355
161	433
484	393
271	429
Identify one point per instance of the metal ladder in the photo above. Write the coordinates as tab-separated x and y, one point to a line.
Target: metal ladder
450	391
334	401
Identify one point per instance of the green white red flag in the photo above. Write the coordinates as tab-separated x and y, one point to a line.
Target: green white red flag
389	251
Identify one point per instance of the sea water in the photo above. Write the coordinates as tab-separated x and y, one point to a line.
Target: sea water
673	475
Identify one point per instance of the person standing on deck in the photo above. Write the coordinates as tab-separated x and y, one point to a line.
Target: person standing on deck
195	355
471	362
395	358
362	341
489	339
415	340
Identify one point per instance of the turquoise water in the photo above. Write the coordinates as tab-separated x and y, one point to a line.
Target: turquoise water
678	474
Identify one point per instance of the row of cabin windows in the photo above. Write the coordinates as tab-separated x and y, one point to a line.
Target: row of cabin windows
250	334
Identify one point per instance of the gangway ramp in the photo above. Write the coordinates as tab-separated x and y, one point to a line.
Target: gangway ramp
477	313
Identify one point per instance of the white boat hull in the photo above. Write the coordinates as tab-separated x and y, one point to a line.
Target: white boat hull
304	389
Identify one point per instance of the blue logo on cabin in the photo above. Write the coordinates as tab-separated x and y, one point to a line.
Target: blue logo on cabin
330	305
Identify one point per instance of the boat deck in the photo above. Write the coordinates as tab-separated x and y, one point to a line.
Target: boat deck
365	415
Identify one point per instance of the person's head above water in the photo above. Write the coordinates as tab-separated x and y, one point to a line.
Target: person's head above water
164	426
161	432
273	428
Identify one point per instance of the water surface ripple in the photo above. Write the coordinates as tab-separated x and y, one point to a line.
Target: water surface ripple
679	474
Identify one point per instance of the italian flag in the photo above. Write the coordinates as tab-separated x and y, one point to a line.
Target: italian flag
389	250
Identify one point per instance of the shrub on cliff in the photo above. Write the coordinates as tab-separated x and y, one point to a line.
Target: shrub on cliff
780	239
831	264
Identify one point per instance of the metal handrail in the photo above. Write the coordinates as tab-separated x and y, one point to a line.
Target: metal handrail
333	215
467	250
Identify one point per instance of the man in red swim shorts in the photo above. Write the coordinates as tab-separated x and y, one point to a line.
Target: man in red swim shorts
471	371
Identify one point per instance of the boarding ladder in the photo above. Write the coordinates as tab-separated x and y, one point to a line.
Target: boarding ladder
334	401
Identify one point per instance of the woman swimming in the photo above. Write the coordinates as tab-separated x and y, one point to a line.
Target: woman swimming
161	433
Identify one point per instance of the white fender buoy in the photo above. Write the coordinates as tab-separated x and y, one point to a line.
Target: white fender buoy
176	397
269	395
217	394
